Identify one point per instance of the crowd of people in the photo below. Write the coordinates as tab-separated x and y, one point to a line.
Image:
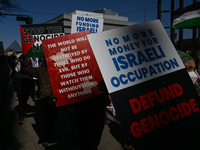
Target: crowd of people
87	117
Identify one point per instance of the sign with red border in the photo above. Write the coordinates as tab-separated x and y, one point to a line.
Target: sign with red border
72	68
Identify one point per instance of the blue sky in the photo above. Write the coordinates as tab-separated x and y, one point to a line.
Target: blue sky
45	10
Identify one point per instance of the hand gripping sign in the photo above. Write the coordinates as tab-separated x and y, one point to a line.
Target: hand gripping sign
155	100
72	68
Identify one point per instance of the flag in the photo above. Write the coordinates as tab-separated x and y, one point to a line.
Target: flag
32	36
188	17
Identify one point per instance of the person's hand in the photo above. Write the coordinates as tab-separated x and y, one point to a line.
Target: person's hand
54	100
22	57
128	147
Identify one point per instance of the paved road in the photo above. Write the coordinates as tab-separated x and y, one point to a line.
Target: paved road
27	136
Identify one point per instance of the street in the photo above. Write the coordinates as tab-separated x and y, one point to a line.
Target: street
28	135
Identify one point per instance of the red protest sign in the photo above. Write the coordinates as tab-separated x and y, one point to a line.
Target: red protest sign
72	68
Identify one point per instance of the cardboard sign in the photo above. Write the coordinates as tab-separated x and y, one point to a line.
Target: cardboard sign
154	97
33	34
82	23
72	68
1	48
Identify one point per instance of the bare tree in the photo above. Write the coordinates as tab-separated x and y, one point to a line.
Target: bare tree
8	6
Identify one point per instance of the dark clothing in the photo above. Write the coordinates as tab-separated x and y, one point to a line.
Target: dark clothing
3	92
22	85
50	112
26	89
43	78
46	95
90	117
5	72
11	61
17	81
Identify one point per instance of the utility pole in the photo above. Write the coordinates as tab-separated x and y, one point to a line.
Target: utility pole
106	4
181	30
26	18
194	29
159	10
172	30
159	17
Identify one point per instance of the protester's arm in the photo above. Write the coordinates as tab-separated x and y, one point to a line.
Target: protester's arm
27	67
53	99
10	70
128	147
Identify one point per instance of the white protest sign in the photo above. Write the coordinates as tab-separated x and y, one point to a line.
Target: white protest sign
134	54
83	23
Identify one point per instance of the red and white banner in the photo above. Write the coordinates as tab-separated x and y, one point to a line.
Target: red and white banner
72	68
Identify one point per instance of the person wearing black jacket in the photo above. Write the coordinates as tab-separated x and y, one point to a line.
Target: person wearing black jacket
22	84
46	95
5	72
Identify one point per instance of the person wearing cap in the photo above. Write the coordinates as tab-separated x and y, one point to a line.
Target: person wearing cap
46	96
190	65
187	60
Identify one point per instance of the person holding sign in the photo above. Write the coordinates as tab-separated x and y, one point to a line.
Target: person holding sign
128	147
35	64
46	96
102	87
190	66
187	60
90	118
22	84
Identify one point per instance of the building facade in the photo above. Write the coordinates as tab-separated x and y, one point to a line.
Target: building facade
111	19
14	48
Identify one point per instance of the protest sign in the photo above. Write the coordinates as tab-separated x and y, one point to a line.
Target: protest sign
154	97
82	23
1	48
33	34
72	68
